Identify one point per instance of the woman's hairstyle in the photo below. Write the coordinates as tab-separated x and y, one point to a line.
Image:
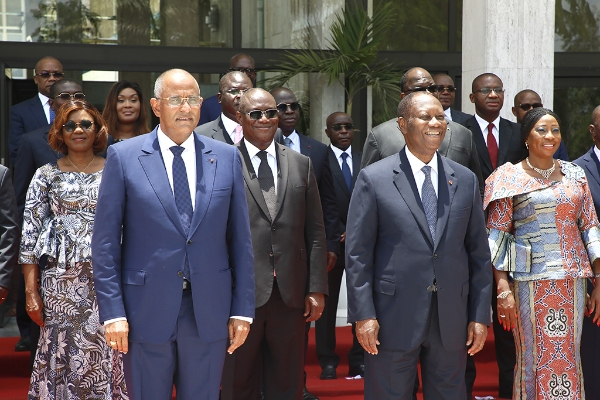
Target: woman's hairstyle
110	108
529	121
55	136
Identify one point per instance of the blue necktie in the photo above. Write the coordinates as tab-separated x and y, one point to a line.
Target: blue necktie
429	200
288	142
181	190
52	115
346	170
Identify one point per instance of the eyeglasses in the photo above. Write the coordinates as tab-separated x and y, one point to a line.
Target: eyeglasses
69	96
487	90
429	89
338	127
442	89
85	124
236	92
176	101
46	74
244	70
283	107
528	106
258	114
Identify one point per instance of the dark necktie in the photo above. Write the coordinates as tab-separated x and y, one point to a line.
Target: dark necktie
52	115
346	170
288	142
181	189
267	182
492	146
429	200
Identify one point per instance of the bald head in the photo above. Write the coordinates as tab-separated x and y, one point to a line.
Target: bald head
174	74
253	95
48	70
525	100
260	127
243	63
289	114
415	78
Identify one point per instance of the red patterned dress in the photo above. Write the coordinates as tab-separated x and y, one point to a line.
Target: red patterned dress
545	234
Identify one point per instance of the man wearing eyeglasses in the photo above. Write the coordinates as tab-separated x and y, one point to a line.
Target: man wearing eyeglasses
35	112
290	267
211	107
527	99
386	139
226	127
446	92
172	251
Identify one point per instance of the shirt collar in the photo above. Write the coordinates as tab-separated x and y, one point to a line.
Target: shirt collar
43	98
416	165
228	123
448	113
294	137
165	143
483	124
338	152
253	150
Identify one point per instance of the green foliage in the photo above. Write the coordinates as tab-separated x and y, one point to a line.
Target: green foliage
65	22
350	57
577	25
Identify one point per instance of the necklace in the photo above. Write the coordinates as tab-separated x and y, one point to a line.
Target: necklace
543	172
86	167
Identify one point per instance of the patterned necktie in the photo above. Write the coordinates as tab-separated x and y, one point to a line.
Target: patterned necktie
181	189
267	182
492	146
52	115
288	142
346	170
237	134
429	200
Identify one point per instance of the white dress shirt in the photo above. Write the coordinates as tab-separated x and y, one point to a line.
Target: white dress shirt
416	165
597	152
295	138
483	125
448	114
271	158
338	155
46	105
229	126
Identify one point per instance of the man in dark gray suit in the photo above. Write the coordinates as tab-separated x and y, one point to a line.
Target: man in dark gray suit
446	92
9	232
226	127
290	264
386	139
418	265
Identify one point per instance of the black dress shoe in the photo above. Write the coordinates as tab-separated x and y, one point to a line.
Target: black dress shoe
354	371
308	395
24	344
328	372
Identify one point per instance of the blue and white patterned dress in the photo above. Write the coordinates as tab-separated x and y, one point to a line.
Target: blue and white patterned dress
73	360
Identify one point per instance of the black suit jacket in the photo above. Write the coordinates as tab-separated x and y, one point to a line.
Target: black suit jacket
9	228
509	148
214	129
24	117
590	164
458	116
318	154
342	194
293	243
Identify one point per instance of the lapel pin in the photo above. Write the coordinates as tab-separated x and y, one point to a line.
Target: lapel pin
450	182
212	160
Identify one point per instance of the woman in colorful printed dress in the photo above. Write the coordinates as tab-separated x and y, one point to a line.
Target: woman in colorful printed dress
73	360
543	232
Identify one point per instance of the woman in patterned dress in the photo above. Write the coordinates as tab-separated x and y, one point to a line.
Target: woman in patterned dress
73	360
543	233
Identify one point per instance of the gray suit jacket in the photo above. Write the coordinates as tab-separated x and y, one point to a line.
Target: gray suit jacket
214	129
458	145
391	258
9	228
293	243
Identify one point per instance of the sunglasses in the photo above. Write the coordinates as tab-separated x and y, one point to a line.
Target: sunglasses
236	92
283	107
46	74
487	90
258	114
527	106
176	101
244	70
442	89
85	124
69	96
429	89
338	127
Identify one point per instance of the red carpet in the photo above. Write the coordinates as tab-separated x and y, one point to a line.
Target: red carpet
14	371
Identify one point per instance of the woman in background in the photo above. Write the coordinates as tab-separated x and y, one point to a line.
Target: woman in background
125	111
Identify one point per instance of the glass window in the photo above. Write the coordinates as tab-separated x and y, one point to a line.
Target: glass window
577	25
132	22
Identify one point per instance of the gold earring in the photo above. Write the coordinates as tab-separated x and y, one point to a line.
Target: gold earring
526	145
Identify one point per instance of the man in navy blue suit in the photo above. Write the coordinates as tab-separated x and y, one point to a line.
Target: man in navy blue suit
446	92
590	335
172	251
35	112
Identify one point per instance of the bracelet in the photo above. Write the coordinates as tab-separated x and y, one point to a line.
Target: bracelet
504	294
596	275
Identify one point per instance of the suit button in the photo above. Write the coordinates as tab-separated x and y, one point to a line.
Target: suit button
271	253
180	274
434	255
189	242
273	228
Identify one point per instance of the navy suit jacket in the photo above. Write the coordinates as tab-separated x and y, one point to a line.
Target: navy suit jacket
139	245
391	258
459	116
342	194
590	164
210	110
24	117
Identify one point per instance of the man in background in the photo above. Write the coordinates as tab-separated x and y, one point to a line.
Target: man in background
446	92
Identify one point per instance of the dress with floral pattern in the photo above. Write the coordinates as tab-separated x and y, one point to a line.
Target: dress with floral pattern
545	234
73	360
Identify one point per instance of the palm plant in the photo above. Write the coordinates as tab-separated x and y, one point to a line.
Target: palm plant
350	57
